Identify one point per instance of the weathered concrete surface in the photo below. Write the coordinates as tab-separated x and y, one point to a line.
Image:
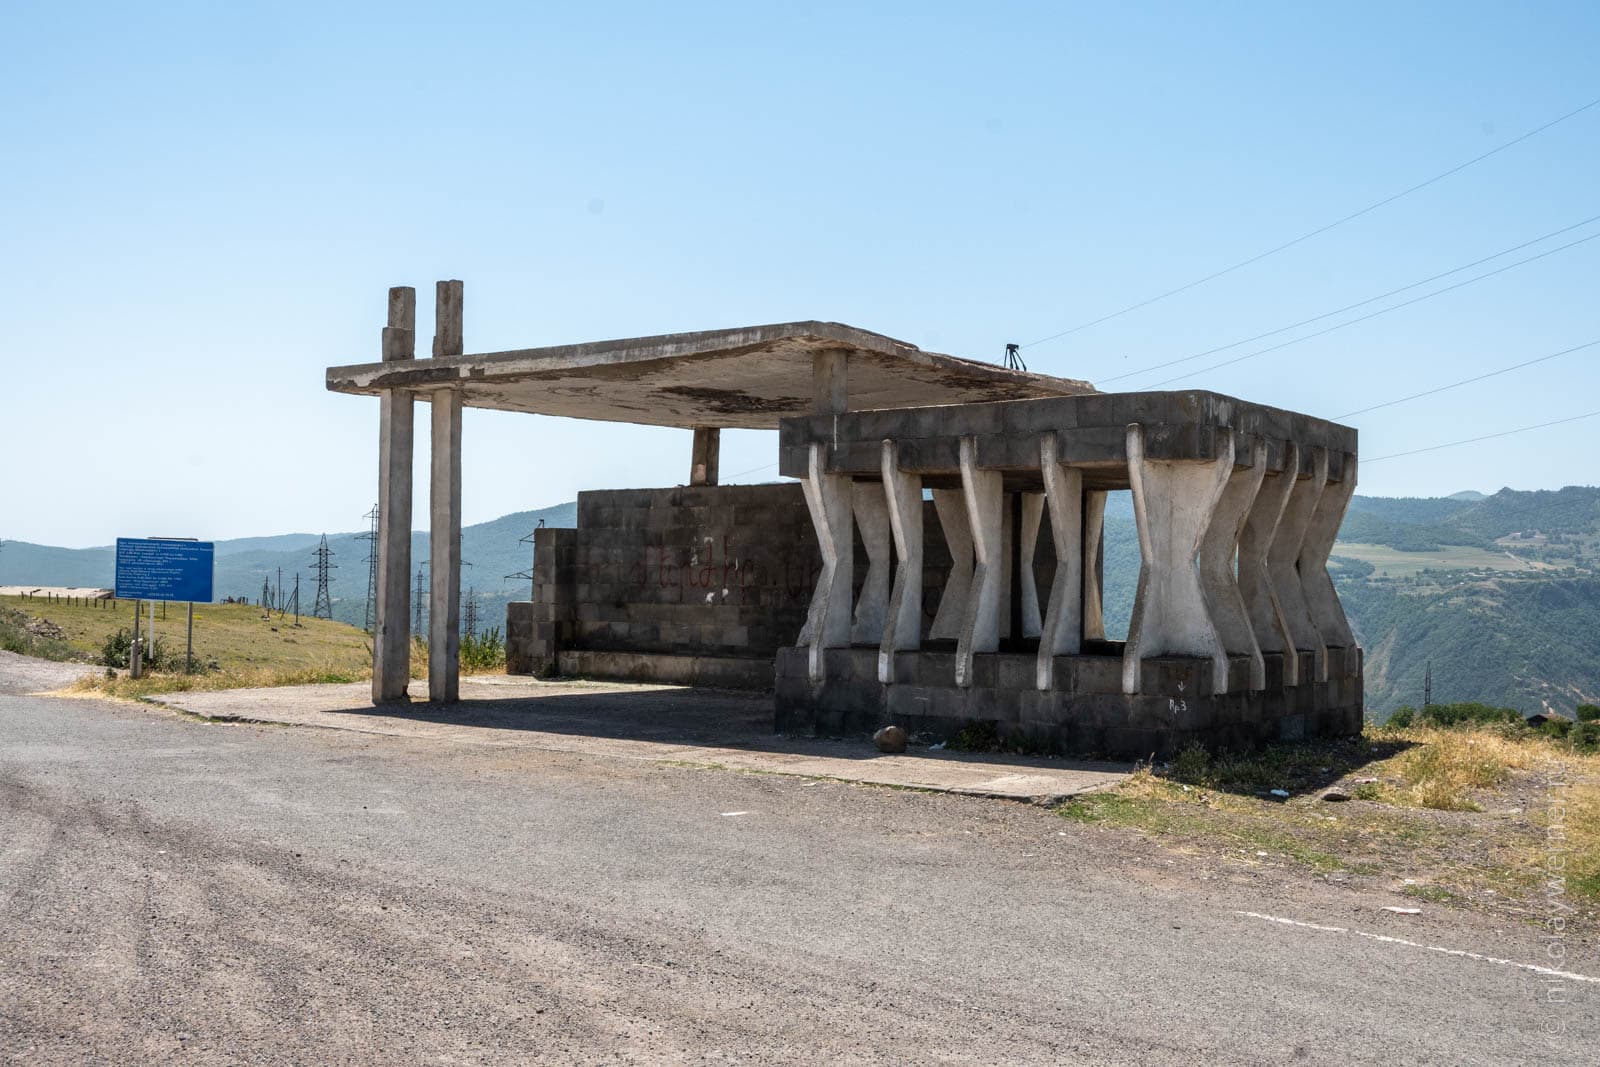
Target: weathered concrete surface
748	377
656	723
396	426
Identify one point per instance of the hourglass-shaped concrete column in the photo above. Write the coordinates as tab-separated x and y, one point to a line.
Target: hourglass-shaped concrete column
1255	584
1217	577
828	621
1326	610
1283	568
902	626
1061	632
980	624
871	511
951	508
1173	503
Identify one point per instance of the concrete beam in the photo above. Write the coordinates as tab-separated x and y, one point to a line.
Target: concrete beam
1217	577
391	645
1255	581
1173	503
902	628
980	624
706	456
828	621
1061	632
871	510
1283	566
951	507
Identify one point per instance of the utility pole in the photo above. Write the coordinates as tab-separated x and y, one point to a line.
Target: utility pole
470	613
297	600
322	605
417	601
371	538
266	594
1427	685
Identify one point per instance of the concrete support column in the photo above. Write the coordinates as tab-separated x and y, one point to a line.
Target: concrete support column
1061	632
1283	566
1032	507
871	511
980	624
1321	597
706	456
828	621
830	382
444	519
391	642
902	627
1217	577
1255	582
951	508
1173	502
444	546
1094	544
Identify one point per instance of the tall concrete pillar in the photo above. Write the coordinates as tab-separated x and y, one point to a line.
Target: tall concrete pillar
706	456
902	626
1062	629
444	526
1326	610
391	642
1173	503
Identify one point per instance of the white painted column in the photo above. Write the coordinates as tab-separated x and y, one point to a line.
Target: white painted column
391	643
1094	543
828	621
1173	502
1282	565
1255	582
871	510
980	624
1060	634
951	507
1217	577
902	628
444	522
1321	596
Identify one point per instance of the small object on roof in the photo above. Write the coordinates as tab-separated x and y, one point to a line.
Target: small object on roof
1014	357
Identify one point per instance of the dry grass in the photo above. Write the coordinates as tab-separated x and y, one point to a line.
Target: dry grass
1454	816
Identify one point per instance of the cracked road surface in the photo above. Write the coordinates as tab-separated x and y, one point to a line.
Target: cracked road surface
174	891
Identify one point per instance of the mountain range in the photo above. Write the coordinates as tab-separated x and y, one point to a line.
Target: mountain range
1497	596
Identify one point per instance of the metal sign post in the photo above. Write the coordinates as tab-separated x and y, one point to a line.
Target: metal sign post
164	569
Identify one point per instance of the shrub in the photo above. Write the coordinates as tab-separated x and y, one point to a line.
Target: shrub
1403	717
157	657
1588	712
483	652
1468	713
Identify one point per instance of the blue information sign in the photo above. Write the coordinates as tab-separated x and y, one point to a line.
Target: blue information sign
162	568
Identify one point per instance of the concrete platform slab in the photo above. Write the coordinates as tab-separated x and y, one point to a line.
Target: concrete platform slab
661	723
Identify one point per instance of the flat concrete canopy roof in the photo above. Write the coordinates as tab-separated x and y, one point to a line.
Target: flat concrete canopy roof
749	377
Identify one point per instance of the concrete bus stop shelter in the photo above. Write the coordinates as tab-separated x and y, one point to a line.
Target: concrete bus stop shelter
748	378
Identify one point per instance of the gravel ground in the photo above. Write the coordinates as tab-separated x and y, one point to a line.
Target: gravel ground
173	891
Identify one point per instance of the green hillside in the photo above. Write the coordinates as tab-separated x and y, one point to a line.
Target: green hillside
1500	593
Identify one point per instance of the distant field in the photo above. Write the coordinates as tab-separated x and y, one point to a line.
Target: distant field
1393	563
247	648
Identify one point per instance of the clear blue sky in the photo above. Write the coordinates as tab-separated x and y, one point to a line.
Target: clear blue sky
203	205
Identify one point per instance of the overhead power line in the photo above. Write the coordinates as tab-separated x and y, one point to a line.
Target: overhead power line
1375	314
1485	437
1357	304
1258	257
1469	381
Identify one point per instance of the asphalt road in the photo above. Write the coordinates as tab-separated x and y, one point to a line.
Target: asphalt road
173	891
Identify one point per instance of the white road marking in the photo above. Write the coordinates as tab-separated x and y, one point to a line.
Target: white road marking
1431	948
726	814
